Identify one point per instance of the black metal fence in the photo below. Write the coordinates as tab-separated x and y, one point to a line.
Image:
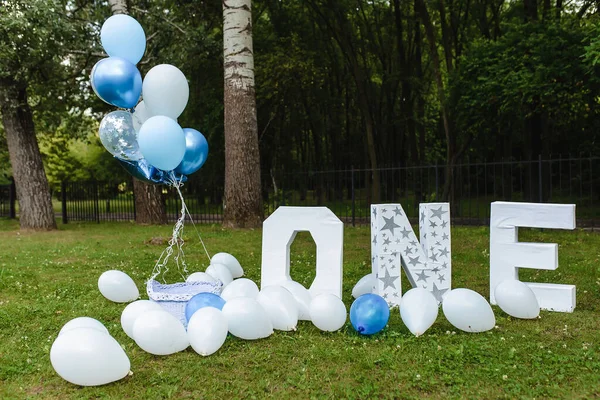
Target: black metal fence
349	192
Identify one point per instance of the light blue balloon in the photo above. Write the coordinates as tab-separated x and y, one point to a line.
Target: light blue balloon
117	82
202	300
162	142
369	314
124	37
196	152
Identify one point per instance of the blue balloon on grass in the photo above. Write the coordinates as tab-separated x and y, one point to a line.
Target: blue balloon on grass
122	36
202	300
162	142
196	152
369	314
117	82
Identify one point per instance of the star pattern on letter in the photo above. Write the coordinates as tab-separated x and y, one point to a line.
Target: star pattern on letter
389	225
426	261
422	277
388	280
438	213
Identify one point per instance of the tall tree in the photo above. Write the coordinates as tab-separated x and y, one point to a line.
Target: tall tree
31	34
149	203
243	201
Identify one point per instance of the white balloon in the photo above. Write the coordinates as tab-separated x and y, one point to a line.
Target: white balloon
88	357
328	312
302	296
281	306
117	286
207	330
160	333
363	286
247	319
133	311
201	277
165	90
230	262
240	288
140	115
517	299
220	272
83	322
468	311
418	310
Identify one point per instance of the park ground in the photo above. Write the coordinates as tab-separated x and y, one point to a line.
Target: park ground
49	278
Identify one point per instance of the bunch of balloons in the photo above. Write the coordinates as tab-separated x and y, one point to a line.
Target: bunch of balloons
144	136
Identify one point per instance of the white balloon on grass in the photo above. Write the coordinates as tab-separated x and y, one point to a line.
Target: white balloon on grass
220	272
247	319
140	115
302	296
159	332
131	313
468	311
517	299
83	322
88	357
363	286
240	288
418	310
328	312
281	306
201	277
166	91
230	262
207	330
117	286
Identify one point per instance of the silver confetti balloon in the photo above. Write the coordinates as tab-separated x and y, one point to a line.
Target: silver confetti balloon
118	135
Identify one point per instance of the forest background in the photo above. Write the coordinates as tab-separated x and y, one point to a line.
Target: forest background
339	84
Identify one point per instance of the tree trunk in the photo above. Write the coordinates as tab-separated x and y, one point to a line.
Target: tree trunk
149	204
242	206
33	193
118	6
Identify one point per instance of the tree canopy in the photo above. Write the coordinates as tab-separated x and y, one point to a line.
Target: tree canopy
363	83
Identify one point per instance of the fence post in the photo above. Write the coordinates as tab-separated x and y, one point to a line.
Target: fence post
96	205
353	199
12	196
63	201
437	183
133	199
540	178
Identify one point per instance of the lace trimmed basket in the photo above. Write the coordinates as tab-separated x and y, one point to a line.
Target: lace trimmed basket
174	297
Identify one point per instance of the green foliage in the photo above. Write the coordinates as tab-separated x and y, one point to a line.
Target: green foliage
532	69
46	279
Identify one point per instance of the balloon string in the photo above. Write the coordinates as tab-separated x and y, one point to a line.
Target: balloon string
198	233
176	241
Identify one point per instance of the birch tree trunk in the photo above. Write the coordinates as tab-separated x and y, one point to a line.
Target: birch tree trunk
242	206
33	192
149	205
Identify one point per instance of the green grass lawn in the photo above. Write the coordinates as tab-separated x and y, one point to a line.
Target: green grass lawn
46	279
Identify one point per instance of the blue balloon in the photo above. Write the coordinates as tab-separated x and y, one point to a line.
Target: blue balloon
202	300
124	37
196	152
369	314
142	170
117	82
162	142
